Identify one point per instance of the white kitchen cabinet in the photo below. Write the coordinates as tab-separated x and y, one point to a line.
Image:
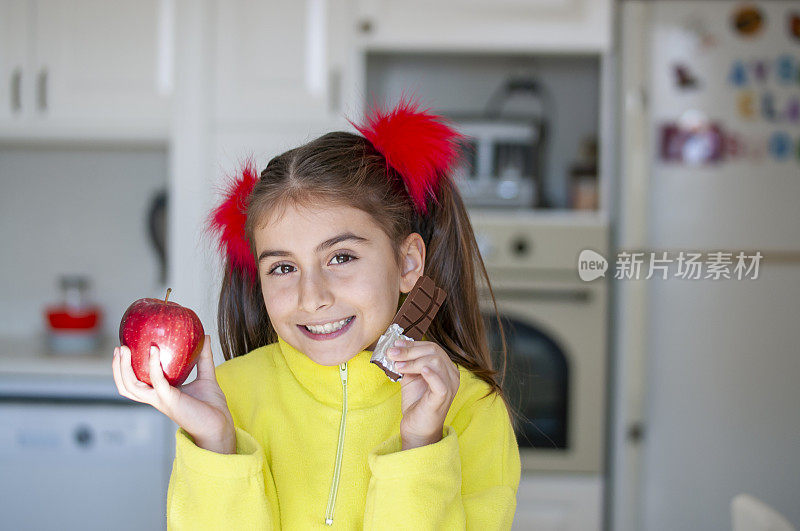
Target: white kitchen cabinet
85	68
279	62
573	26
13	48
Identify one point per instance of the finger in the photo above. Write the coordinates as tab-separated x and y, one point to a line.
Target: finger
408	379
135	387
157	378
436	395
115	370
415	366
163	390
116	365
404	350
205	364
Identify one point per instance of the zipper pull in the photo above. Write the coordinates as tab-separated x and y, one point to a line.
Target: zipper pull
343	372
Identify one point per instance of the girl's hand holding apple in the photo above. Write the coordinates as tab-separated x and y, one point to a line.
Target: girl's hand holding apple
144	373
199	407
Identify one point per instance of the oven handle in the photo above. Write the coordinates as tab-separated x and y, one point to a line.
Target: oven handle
541	294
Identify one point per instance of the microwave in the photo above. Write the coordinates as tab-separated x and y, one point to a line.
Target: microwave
500	162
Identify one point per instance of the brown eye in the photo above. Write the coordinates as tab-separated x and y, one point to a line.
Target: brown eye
277	267
349	257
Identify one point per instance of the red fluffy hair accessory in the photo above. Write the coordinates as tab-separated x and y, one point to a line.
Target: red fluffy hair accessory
228	220
420	146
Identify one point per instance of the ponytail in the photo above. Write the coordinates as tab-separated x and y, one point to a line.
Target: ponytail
242	318
454	263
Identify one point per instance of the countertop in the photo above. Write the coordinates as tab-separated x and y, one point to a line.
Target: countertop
29	355
28	370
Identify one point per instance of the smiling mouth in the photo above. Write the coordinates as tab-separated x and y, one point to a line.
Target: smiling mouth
328	329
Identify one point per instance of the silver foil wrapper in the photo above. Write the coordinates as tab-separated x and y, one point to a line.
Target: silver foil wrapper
387	339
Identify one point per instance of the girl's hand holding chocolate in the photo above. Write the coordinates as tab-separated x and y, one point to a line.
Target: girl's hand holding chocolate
199	407
429	384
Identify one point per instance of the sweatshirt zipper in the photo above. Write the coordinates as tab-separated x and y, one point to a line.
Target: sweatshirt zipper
339	448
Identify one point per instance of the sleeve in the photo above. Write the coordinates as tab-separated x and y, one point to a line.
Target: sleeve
208	490
468	480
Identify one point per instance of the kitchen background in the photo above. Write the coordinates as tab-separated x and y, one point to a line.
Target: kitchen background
653	404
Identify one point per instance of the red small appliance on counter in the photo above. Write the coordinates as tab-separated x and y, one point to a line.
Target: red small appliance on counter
74	325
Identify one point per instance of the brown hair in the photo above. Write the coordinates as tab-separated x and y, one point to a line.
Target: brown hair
344	168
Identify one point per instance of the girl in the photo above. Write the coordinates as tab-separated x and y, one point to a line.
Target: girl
297	429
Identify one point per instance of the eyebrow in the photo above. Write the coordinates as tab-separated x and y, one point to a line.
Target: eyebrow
345	236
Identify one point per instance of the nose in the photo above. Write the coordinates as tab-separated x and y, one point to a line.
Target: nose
314	292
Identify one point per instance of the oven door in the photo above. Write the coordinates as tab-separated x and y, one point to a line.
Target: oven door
536	380
555	372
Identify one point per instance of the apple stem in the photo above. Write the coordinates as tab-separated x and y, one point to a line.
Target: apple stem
169	290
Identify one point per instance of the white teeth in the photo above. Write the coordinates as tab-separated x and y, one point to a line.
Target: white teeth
327	328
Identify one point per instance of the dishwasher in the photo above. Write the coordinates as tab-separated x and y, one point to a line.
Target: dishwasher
75	455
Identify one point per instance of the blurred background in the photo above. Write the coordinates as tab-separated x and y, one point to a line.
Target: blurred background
632	172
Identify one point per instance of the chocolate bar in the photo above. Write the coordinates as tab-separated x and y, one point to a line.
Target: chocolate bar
387	339
410	322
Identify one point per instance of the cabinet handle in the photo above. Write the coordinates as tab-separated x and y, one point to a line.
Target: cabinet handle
635	432
16	90
42	89
366	26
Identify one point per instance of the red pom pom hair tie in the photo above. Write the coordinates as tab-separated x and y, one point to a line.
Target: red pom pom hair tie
228	220
417	144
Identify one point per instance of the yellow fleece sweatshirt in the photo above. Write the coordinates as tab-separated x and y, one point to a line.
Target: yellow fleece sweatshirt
318	447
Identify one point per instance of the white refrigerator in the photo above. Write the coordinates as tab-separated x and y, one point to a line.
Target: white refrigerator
706	364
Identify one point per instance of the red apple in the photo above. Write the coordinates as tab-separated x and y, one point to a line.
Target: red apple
174	329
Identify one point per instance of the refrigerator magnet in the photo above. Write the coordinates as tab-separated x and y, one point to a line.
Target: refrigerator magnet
793	19
746	104
747	21
792	112
684	77
738	74
786	70
780	145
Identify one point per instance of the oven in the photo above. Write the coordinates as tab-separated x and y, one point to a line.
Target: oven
555	326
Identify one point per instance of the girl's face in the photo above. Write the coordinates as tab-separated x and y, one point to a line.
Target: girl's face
333	268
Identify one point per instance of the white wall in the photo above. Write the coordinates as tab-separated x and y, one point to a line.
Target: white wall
76	209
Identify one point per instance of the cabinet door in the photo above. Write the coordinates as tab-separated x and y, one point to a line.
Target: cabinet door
279	61
15	73
98	62
486	25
